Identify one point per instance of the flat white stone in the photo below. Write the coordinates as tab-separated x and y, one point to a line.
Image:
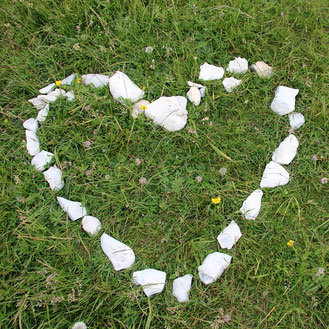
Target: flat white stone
137	108
193	84
79	325
286	151
91	225
296	120
68	80
181	288
121	256
54	178
213	267
229	236
262	69
168	112
38	103
48	98
194	95
231	83
238	65
284	100
70	96
210	72
41	160
74	209
122	88
43	113
47	89
274	175
98	80
31	124
251	206
32	142
152	281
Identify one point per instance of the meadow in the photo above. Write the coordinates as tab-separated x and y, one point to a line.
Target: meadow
54	274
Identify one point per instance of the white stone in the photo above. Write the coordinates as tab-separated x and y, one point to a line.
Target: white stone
122	88
47	98
70	96
284	100
152	281
231	83
229	236
210	72
168	112
193	84
238	65
274	175
194	95
137	108
41	160
262	69
54	178
121	256
31	124
47	89
74	209
296	120
251	206
32	142
203	91
38	103
57	93
181	288
91	225
68	80
43	113
79	325
98	80
286	151
213	267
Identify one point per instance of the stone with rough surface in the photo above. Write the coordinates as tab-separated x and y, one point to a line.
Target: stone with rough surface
274	175
38	103
32	142
262	69
229	236
41	160
121	256
238	65
91	225
296	120
194	95
68	80
251	206
210	72
54	178
284	100
31	124
47	89
43	113
74	209
98	80
231	83
286	151
181	288
152	281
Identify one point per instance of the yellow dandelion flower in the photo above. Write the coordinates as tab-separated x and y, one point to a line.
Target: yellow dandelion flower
144	87
78	80
58	83
5	121
216	200
143	107
291	243
119	167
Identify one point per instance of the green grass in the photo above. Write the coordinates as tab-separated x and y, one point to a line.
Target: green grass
54	274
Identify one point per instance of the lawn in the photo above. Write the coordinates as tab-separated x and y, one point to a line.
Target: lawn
54	274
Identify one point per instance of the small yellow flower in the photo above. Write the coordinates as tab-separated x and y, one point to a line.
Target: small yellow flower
291	243
78	80
143	107
144	87
5	121
58	83
216	200
119	167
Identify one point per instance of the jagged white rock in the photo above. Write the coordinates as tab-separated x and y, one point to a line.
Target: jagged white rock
137	108
32	142
201	88
210	72
203	91
274	175
47	89
296	120
194	95
262	69
70	95
284	100
98	80
122	88
168	112
152	281
43	113
91	225
41	160
74	209
231	83
68	80
49	98
31	124
54	178
121	256
238	65
213	267
229	236
251	206
181	288
38	103
286	151
79	325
